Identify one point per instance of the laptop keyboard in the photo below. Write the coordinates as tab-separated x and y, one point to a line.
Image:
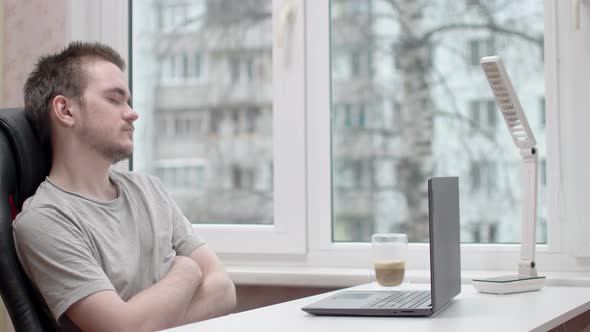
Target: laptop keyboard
400	300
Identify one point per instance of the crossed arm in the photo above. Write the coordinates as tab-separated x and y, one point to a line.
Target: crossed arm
196	288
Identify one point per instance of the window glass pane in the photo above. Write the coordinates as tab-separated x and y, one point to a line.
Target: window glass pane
475	114
203	89
493	113
431	114
197	66
542	111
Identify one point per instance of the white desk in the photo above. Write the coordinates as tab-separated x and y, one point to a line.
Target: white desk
470	311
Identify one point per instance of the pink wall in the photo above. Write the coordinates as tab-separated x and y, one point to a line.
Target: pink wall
31	28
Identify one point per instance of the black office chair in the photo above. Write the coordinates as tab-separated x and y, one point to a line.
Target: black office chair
24	164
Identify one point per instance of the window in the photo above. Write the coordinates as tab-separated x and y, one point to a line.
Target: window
355	63
483	231
181	68
235	68
479	48
252	115
447	115
241	68
249	69
347	116
235	123
215	119
213	142
542	115
170	16
484	114
350	62
352	175
168	65
197	66
340	68
543	172
182	175
184	66
483	177
243	178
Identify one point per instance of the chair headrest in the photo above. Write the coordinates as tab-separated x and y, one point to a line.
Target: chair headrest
33	161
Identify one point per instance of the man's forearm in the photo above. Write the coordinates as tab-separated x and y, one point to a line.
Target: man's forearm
164	304
215	297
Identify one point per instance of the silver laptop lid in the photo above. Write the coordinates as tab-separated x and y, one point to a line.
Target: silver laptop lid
445	252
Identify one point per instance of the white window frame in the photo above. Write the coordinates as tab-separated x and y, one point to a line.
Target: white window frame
303	197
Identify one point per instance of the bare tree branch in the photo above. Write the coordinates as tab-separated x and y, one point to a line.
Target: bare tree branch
468	26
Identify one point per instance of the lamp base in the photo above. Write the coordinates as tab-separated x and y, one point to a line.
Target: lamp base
509	284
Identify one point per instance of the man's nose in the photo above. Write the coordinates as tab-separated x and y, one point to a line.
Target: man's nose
131	115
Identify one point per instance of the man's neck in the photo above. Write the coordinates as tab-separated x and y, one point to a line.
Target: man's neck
87	176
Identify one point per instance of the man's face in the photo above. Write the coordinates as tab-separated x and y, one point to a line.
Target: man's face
106	119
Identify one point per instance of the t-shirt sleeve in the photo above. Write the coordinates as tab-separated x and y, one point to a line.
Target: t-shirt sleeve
58	258
184	237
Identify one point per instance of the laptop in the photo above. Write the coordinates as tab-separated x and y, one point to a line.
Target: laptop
445	267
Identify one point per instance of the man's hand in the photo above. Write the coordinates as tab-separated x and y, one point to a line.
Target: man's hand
216	296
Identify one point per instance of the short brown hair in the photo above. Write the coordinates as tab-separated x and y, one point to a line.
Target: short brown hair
61	73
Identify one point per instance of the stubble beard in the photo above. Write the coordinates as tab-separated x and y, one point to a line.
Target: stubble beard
108	150
116	156
112	152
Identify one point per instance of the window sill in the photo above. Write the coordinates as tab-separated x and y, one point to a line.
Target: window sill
346	277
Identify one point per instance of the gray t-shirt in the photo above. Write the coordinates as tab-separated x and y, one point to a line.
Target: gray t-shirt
71	246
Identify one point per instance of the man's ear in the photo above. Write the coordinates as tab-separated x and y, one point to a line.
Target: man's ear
61	109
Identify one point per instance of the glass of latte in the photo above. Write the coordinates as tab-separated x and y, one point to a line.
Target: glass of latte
389	258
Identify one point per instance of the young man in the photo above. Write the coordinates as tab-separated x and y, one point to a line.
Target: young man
107	250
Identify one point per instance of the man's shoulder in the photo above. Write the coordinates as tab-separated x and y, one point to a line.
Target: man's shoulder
41	215
47	198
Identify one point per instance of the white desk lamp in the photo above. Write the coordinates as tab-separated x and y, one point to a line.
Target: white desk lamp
527	278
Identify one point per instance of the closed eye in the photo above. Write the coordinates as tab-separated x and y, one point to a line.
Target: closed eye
116	100
117	96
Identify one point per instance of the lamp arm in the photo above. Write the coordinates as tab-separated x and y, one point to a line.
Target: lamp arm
530	168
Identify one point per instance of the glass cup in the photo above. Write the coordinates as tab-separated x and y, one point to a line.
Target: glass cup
389	258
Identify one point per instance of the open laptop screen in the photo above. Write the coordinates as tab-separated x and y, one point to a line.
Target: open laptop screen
445	253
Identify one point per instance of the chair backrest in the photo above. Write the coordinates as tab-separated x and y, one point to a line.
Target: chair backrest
24	164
